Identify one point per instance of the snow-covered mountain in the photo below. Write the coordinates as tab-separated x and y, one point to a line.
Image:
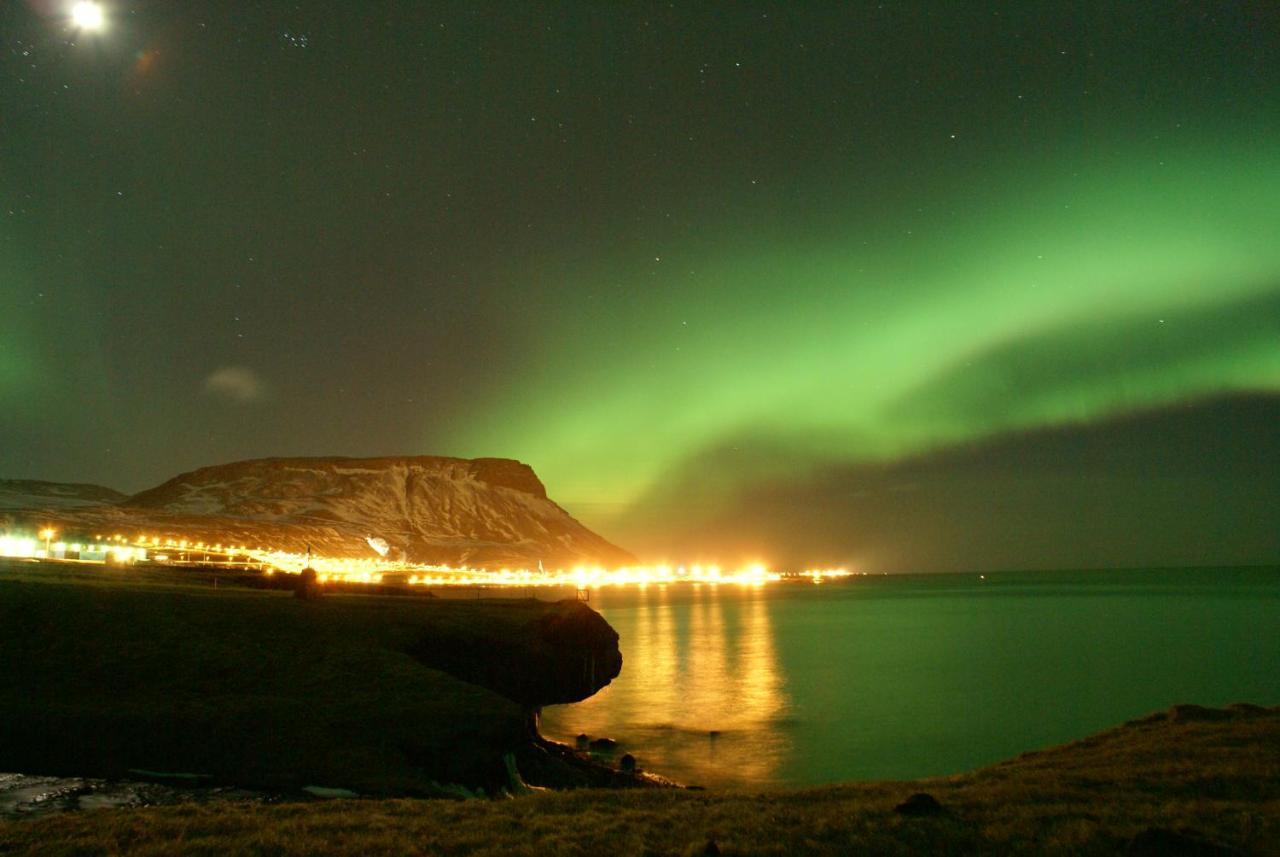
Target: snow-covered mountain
485	512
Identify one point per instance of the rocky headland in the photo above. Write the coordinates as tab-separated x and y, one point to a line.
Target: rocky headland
112	672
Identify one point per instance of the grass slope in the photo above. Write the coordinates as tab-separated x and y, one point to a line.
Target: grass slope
1214	775
107	670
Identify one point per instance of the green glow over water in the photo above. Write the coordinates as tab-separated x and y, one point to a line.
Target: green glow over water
901	677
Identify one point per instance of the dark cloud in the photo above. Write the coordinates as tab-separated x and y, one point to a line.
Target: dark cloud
1191	484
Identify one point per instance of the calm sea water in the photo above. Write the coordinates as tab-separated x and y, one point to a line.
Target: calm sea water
898	677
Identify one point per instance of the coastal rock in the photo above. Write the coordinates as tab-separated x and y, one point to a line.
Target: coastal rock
918	805
563	652
255	692
546	763
604	745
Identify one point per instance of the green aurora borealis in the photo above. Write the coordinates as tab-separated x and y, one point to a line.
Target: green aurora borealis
1052	297
719	274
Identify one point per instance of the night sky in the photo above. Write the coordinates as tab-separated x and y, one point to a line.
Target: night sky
902	285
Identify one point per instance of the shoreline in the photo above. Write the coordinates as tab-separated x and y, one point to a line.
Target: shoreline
1187	780
375	707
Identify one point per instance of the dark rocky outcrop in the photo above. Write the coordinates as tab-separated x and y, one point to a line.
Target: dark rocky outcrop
564	653
546	763
919	805
258	690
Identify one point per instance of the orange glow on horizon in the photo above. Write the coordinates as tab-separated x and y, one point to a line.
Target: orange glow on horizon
376	569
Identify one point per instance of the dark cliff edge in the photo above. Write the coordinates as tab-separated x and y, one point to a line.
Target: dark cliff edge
112	672
564	653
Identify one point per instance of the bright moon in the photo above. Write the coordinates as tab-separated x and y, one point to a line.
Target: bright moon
87	15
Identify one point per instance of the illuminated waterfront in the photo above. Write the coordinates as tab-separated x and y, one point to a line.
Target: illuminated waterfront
730	681
121	549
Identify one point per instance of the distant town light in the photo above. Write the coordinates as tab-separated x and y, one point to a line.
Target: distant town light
88	15
15	546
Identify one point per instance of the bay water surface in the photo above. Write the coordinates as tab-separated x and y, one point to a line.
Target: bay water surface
793	684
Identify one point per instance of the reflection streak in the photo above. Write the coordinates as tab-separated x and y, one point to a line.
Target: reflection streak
701	697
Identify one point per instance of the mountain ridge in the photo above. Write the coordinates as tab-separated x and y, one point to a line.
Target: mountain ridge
482	512
22	493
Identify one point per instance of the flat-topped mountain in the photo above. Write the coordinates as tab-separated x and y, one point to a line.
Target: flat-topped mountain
484	512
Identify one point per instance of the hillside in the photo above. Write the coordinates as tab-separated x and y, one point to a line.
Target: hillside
33	493
1189	781
485	512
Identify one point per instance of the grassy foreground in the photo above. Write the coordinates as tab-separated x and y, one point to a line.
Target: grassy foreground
103	670
107	671
1211	775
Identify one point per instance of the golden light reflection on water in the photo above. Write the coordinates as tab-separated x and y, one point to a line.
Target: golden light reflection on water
701	697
